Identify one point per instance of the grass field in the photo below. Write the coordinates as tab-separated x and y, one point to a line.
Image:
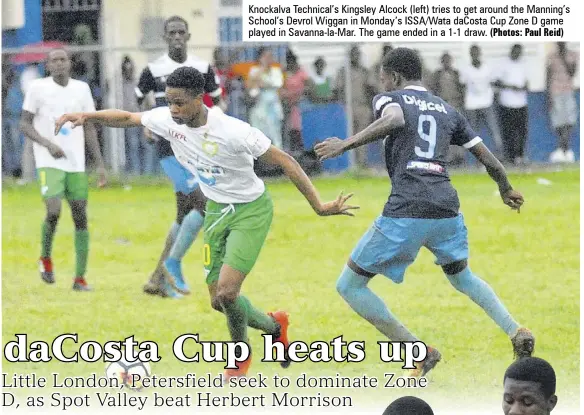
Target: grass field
532	261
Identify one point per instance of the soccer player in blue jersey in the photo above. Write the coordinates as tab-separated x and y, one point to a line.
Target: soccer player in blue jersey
423	207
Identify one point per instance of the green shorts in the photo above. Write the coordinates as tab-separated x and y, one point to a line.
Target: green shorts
60	183
235	234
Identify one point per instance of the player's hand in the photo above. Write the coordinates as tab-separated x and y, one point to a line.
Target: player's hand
329	148
56	151
76	119
337	207
102	178
513	199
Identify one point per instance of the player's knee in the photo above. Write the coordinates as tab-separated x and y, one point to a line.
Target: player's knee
80	220
454	267
200	207
216	304
343	287
226	296
180	216
182	207
52	218
198	202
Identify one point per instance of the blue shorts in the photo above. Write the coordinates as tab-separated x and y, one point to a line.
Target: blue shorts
392	244
182	179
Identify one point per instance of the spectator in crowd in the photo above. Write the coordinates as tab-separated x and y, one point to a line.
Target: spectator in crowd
362	93
79	71
292	93
562	107
264	83
478	79
83	36
12	142
141	156
426	74
319	86
220	66
374	78
445	83
236	92
512	84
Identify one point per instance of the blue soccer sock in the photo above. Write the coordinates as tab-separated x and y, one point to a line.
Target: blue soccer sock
353	288
174	230
189	229
483	295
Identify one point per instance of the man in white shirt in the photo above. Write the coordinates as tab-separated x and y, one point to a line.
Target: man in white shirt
513	99
220	150
561	70
478	79
60	158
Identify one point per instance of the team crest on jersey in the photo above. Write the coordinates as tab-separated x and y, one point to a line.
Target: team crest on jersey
177	135
210	147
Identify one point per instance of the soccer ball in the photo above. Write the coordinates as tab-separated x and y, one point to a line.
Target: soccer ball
128	374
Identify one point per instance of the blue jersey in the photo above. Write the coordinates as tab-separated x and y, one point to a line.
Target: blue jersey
416	154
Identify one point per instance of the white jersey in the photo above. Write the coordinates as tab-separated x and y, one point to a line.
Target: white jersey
220	153
48	100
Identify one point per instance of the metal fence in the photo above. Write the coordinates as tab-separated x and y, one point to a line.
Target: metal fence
109	60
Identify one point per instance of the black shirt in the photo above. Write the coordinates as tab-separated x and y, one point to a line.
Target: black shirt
416	154
153	79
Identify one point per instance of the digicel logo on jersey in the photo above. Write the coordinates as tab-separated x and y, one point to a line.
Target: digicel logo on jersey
423	105
177	135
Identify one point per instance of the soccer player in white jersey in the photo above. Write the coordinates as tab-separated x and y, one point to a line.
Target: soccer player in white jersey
190	201
221	150
60	158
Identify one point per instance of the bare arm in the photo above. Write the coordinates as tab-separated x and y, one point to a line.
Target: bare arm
570	66
493	166
548	83
393	117
27	128
292	169
108	118
511	197
500	84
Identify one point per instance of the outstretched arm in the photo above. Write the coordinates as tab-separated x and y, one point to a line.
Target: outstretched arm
392	118
511	198
292	169
109	118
